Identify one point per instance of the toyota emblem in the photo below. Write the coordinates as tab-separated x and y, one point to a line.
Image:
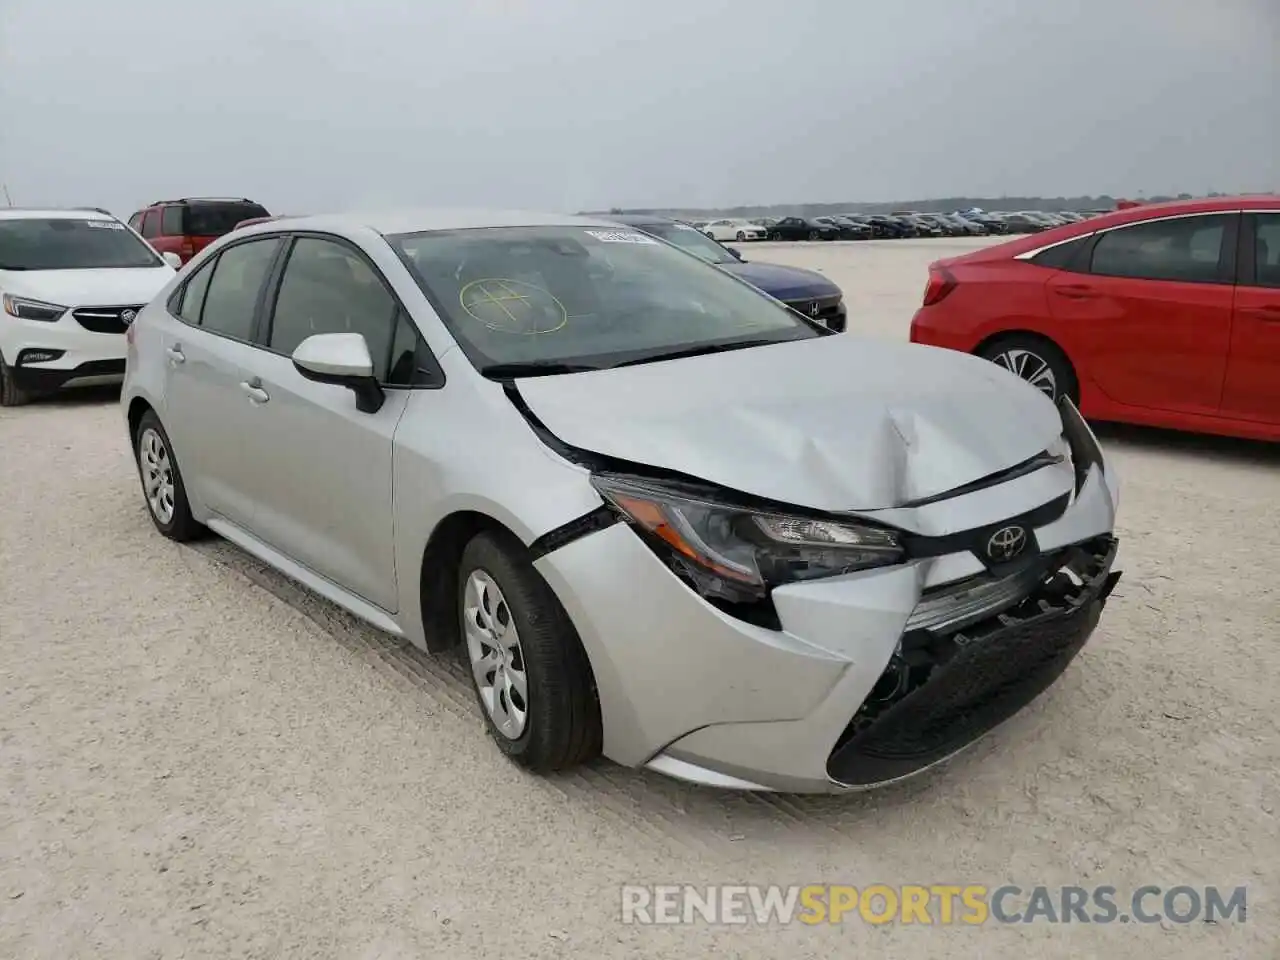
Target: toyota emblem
1006	543
126	316
815	308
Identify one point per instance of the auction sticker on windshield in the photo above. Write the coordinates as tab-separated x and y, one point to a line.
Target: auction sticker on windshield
620	236
104	224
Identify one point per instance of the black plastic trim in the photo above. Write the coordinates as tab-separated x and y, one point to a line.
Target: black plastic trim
1030	465
601	518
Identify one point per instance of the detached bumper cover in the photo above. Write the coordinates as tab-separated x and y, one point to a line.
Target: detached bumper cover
942	691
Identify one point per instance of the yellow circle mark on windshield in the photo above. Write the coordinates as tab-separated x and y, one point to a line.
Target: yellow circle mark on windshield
513	306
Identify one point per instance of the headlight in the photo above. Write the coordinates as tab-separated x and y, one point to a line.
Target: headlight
25	309
738	553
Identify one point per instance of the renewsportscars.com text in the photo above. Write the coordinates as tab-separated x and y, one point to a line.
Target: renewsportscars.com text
937	904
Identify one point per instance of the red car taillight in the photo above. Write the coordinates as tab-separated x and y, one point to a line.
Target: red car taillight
941	282
187	250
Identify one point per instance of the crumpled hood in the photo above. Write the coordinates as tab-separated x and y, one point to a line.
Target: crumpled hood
89	288
834	423
784	283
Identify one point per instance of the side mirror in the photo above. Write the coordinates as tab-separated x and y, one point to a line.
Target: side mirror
736	253
343	360
172	259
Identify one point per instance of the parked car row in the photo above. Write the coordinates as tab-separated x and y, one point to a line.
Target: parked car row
889	226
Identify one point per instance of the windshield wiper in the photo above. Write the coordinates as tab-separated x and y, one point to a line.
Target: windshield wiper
700	350
534	368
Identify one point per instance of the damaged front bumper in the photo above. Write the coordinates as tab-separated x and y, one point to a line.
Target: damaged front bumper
867	677
946	686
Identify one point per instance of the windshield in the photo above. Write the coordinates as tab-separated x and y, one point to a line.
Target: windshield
585	296
67	244
691	240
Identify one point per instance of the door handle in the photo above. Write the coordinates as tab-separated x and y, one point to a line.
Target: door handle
253	390
1076	291
175	354
1271	314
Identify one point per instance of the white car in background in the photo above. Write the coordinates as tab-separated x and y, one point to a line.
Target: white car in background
71	281
739	230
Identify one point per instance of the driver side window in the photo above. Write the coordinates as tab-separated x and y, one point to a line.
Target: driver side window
329	288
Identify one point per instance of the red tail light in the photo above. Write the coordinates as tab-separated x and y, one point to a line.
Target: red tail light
187	250
941	282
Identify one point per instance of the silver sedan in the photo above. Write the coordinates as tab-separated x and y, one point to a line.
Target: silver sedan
661	515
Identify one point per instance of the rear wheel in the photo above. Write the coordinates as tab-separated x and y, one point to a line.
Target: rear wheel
11	395
162	486
1036	360
528	668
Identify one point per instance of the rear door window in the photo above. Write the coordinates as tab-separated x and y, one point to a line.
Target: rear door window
232	297
1266	250
151	224
171	221
1184	249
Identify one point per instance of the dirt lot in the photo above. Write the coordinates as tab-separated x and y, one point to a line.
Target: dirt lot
198	759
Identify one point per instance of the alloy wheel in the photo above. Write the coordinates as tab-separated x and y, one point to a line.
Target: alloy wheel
157	474
1032	368
497	659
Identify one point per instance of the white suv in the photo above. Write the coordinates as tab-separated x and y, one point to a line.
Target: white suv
71	281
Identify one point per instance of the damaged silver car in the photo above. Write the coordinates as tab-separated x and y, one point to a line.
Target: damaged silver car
661	515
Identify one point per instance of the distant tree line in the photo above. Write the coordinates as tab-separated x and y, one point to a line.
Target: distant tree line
937	205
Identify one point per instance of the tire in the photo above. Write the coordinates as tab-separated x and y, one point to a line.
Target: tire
152	451
741	236
814	235
1031	357
561	726
11	395
775	236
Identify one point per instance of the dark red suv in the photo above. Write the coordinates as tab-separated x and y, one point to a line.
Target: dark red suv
187	226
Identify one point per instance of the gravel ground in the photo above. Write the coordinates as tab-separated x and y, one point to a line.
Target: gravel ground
199	759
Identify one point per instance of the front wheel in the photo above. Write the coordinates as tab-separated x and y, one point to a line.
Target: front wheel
1037	361
813	234
528	668
741	236
11	395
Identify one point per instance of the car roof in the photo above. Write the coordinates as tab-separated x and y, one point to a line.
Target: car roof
52	213
425	220
1117	218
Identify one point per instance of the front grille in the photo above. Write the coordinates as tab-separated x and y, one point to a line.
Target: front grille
828	307
942	691
105	319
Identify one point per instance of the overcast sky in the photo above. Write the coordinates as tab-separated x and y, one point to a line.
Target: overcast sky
316	105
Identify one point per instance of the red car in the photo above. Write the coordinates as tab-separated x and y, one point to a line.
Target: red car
187	226
1164	314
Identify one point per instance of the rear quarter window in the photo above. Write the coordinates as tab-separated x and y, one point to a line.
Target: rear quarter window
1071	255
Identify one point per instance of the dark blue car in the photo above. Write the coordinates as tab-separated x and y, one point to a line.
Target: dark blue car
811	293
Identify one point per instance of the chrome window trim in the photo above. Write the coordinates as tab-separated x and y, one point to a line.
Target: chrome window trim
1027	255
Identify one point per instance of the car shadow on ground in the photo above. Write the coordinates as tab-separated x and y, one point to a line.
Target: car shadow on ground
1195	445
71	399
